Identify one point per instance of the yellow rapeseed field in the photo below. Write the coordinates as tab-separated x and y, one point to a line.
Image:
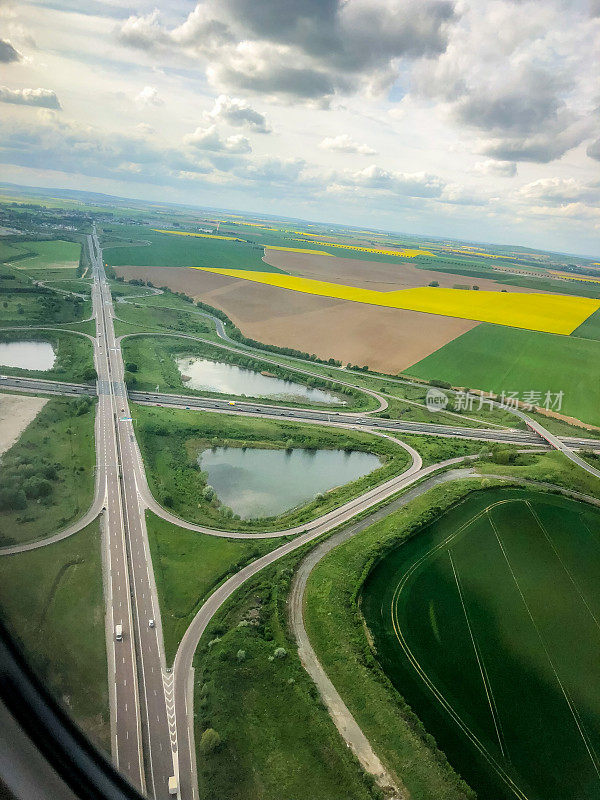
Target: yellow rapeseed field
201	235
407	253
574	277
256	225
297	250
551	313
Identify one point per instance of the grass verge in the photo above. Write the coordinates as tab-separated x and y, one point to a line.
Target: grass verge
188	567
276	737
51	600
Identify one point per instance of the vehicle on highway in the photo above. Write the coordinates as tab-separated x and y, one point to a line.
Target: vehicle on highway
232	402
119	632
150	623
173	785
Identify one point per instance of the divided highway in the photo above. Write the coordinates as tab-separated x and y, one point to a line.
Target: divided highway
144	744
345	419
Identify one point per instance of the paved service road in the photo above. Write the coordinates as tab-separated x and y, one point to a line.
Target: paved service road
182	667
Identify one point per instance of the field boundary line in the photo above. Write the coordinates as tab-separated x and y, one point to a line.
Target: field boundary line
481	664
562	563
569	701
446	705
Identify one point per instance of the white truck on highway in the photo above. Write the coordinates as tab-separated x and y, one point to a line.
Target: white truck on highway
119	632
173	788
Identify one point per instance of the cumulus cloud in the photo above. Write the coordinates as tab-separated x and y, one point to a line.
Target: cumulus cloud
458	195
542	147
303	51
8	54
593	150
346	144
416	184
521	78
502	169
559	192
144	32
236	112
210	139
41	98
148	97
271	170
52	143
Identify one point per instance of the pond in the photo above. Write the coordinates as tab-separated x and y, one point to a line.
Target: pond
264	483
216	376
27	355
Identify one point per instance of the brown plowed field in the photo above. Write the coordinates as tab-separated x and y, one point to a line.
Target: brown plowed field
376	275
386	339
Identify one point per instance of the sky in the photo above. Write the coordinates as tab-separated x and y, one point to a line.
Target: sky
472	119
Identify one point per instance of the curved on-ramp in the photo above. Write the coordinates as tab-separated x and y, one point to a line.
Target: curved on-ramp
183	663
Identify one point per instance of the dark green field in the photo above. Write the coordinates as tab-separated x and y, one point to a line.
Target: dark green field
488	624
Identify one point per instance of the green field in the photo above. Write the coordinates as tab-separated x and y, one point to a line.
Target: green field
590	329
54	258
47	476
51	600
495	358
149	248
487	623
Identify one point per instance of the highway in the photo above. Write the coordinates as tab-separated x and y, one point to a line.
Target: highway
143	742
339	418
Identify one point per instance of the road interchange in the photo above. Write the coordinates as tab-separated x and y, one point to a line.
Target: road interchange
151	707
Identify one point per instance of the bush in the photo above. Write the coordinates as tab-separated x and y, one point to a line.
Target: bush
440	384
241	655
37	487
209	741
280	652
12	500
